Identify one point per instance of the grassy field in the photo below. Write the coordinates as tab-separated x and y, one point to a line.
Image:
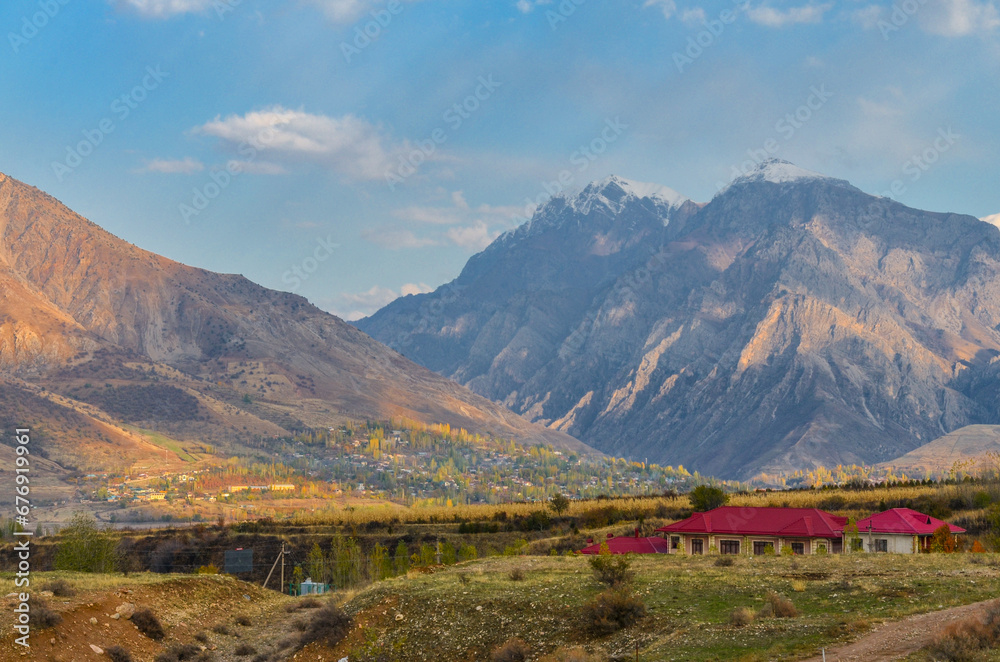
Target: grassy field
689	602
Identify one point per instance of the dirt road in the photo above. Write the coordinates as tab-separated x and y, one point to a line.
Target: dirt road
893	641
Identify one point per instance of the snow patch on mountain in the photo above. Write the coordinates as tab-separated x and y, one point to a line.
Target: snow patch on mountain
777	171
993	220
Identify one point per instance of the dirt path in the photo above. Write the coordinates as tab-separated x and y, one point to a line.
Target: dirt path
893	641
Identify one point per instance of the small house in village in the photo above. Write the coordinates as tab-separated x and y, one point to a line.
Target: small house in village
736	530
899	531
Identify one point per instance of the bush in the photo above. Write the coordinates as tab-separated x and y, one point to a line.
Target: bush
513	650
42	616
725	561
611	611
611	569
148	624
575	654
778	606
243	620
60	588
84	547
961	642
517	574
244	650
798	585
222	628
741	617
118	654
179	653
306	603
202	637
329	626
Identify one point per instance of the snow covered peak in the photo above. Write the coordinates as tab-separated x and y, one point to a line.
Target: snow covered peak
994	219
777	171
614	192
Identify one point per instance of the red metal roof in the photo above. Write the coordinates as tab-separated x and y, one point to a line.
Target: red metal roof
783	522
630	545
906	521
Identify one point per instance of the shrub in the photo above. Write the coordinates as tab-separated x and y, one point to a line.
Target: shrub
118	654
798	585
60	588
243	620
148	624
306	603
329	626
209	569
612	610
778	606
202	637
741	617
611	569
42	616
512	650
575	654
961	642
725	561
244	650
942	540
179	653
517	574
786	550
222	628
84	547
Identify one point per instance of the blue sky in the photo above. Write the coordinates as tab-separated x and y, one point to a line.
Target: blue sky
280	141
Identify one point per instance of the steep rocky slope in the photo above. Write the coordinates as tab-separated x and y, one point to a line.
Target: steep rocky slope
78	305
792	321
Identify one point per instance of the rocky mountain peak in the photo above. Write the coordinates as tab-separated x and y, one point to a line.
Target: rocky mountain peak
778	171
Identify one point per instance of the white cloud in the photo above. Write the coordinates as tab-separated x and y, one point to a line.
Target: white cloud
958	18
527	6
395	239
348	145
668	7
365	303
693	17
185	166
347	11
164	8
475	237
777	18
867	17
994	219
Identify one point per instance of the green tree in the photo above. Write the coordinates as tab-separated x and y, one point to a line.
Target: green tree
85	547
379	563
316	565
706	497
401	560
448	554
559	504
467	553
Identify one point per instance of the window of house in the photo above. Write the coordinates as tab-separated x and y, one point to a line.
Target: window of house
881	545
697	547
762	547
857	545
798	548
675	542
729	546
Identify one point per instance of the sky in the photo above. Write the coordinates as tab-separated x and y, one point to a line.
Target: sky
352	151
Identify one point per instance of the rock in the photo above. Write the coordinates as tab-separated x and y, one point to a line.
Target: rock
46	594
116	616
125	610
93	621
399	617
97	649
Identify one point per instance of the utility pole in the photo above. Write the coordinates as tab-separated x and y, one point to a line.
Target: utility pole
282	566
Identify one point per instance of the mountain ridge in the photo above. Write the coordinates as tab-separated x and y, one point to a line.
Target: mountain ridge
792	321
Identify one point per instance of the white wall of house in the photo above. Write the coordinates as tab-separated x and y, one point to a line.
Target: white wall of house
895	543
716	544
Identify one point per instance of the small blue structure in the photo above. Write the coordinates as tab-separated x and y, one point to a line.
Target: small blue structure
309	587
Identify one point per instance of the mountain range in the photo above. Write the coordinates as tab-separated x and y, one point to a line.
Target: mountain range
99	339
792	321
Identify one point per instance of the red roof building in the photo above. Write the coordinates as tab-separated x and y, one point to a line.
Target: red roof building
630	545
736	530
900	530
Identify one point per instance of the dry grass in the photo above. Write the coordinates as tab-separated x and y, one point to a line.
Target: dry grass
777	606
512	650
741	617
